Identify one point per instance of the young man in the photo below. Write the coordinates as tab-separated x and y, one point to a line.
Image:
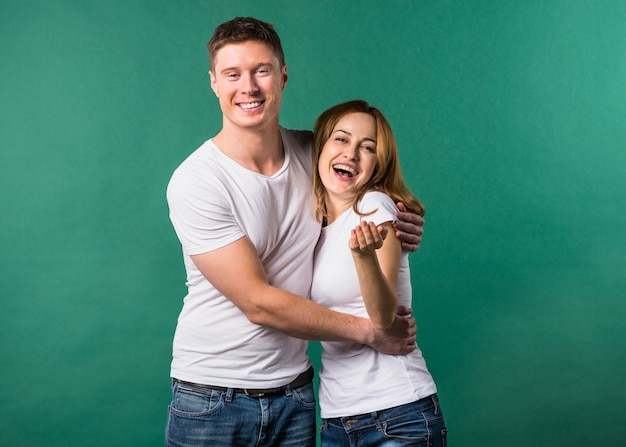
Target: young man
241	205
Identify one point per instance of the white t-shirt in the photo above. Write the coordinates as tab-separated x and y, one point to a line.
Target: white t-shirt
213	202
355	378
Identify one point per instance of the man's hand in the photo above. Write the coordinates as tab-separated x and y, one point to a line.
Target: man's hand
399	338
409	228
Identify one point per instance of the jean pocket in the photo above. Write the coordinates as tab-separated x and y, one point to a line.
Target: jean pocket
411	428
190	402
305	396
415	427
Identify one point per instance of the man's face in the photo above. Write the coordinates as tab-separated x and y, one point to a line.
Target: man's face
248	80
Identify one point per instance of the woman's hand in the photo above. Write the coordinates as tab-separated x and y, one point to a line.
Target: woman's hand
366	237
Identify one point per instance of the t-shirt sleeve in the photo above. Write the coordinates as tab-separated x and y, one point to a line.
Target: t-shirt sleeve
201	213
383	205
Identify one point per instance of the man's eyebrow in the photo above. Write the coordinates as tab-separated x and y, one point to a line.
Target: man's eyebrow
236	68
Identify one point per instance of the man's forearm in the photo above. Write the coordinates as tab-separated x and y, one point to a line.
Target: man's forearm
302	318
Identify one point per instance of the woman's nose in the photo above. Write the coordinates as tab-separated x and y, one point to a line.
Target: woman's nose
351	153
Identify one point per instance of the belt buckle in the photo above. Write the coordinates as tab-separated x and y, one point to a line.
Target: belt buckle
253	394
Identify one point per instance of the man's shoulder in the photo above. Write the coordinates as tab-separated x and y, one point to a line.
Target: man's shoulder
297	138
194	168
199	158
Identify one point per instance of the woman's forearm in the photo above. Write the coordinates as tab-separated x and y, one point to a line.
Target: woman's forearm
381	301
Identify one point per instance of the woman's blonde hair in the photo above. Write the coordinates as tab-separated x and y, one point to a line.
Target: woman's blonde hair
386	177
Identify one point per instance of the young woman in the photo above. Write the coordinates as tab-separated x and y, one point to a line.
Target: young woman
367	398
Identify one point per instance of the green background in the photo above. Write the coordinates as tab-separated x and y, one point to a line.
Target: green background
511	120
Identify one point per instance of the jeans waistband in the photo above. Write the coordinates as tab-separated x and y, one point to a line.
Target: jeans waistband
303	379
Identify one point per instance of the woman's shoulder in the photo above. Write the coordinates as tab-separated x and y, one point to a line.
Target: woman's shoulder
380	205
378	198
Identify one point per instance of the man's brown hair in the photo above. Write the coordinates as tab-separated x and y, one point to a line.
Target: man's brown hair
242	29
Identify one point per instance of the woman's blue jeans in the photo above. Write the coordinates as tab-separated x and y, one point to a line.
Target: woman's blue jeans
199	416
416	424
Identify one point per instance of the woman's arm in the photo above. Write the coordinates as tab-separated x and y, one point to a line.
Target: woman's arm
377	261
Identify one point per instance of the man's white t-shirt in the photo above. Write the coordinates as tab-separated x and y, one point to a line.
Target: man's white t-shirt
355	378
213	202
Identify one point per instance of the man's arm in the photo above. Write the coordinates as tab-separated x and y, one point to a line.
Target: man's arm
236	271
409	228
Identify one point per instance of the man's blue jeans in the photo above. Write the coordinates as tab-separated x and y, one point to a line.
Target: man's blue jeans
416	424
199	416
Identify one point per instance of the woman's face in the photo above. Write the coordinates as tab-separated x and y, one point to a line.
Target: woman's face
348	158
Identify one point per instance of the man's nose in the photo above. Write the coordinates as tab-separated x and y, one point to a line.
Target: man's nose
248	84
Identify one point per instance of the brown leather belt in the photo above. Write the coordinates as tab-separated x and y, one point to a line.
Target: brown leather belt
303	379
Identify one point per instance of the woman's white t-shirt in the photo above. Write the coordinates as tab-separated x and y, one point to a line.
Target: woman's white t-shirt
355	378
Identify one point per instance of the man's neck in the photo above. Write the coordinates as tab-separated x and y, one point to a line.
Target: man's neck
259	150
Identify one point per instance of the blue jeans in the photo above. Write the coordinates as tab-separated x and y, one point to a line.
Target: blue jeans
416	424
199	416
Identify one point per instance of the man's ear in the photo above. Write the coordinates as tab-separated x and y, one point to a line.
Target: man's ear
213	83
285	76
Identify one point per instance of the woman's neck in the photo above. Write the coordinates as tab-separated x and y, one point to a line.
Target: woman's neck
335	208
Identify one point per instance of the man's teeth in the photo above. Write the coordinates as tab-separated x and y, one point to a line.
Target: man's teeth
251	105
343	169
